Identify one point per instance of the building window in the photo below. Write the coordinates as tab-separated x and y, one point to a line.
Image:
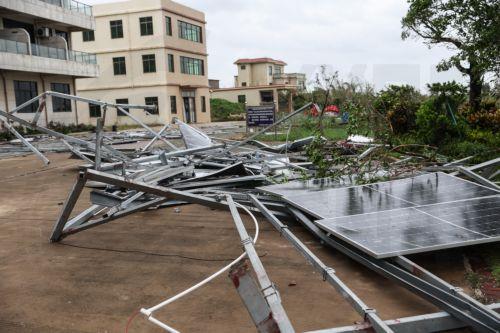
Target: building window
203	104
148	63
152	101
190	32
266	96
94	110
171	68
168	21
277	69
116	29
270	70
173	104
88	35
122	101
60	104
119	67
243	84
192	66
242	99
24	91
243	67
146	25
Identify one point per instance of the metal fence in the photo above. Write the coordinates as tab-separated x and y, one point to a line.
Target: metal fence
72	5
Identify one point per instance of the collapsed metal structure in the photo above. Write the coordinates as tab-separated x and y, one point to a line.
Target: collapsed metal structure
227	175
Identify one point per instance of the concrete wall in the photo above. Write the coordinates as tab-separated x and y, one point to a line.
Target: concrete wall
43	10
43	84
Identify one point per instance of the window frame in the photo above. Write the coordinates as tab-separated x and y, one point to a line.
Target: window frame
152	102
168	25
93	113
26	95
64	103
117	66
242	100
189	31
146	63
146	26
88	36
122	101
173	104
171	63
192	66
116	29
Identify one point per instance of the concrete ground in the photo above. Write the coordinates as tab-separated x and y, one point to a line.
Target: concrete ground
96	280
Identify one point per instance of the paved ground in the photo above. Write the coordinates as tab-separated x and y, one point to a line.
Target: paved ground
94	281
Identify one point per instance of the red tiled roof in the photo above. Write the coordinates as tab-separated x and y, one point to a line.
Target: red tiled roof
259	61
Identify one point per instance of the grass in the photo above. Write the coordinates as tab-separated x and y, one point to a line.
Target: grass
337	132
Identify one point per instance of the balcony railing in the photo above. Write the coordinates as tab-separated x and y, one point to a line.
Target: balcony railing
12	46
72	5
288	75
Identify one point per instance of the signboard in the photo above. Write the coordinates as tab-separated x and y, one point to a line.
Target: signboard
260	115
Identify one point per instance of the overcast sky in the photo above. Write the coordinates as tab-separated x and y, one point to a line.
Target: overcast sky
359	38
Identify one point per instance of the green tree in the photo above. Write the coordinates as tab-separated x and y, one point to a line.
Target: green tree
469	27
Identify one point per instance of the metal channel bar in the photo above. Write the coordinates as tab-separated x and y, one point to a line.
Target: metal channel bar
481	180
431	322
440	283
44	159
268	288
450	303
328	273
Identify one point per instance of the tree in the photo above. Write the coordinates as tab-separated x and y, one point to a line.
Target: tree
469	27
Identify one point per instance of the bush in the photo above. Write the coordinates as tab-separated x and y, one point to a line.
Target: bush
224	110
399	104
58	127
435	125
488	117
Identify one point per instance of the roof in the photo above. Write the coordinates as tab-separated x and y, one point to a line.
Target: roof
259	61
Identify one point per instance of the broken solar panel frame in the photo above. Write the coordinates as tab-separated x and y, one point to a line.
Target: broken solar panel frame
384	208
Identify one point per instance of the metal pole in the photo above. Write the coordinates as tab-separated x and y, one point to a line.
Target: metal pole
44	159
167	126
98	143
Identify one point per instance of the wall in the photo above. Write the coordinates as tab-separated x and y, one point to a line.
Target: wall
43	84
252	95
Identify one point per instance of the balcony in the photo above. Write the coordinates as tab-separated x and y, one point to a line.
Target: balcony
72	14
16	55
295	79
72	5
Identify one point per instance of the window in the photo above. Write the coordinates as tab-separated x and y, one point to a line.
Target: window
60	104
192	66
190	32
203	104
119	67
173	105
122	101
24	91
148	63
146	25
94	110
243	84
168	21
243	67
88	35
242	99
152	101
116	29
270	70
277	69
171	68
266	96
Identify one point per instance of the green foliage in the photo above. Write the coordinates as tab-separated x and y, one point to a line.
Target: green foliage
487	117
399	104
224	110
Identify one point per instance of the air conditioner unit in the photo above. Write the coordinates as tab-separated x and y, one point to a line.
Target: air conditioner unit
43	32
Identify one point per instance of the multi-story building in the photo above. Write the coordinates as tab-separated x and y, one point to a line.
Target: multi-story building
37	54
262	81
149	52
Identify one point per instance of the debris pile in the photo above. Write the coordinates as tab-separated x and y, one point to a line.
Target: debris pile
372	224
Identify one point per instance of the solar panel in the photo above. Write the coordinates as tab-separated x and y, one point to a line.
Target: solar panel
419	214
421	228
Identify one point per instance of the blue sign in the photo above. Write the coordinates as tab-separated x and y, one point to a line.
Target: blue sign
260	115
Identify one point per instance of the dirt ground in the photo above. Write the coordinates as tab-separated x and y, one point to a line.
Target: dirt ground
96	280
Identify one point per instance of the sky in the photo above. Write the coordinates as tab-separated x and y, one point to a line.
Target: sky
358	38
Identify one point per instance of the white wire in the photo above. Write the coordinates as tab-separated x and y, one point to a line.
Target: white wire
149	312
